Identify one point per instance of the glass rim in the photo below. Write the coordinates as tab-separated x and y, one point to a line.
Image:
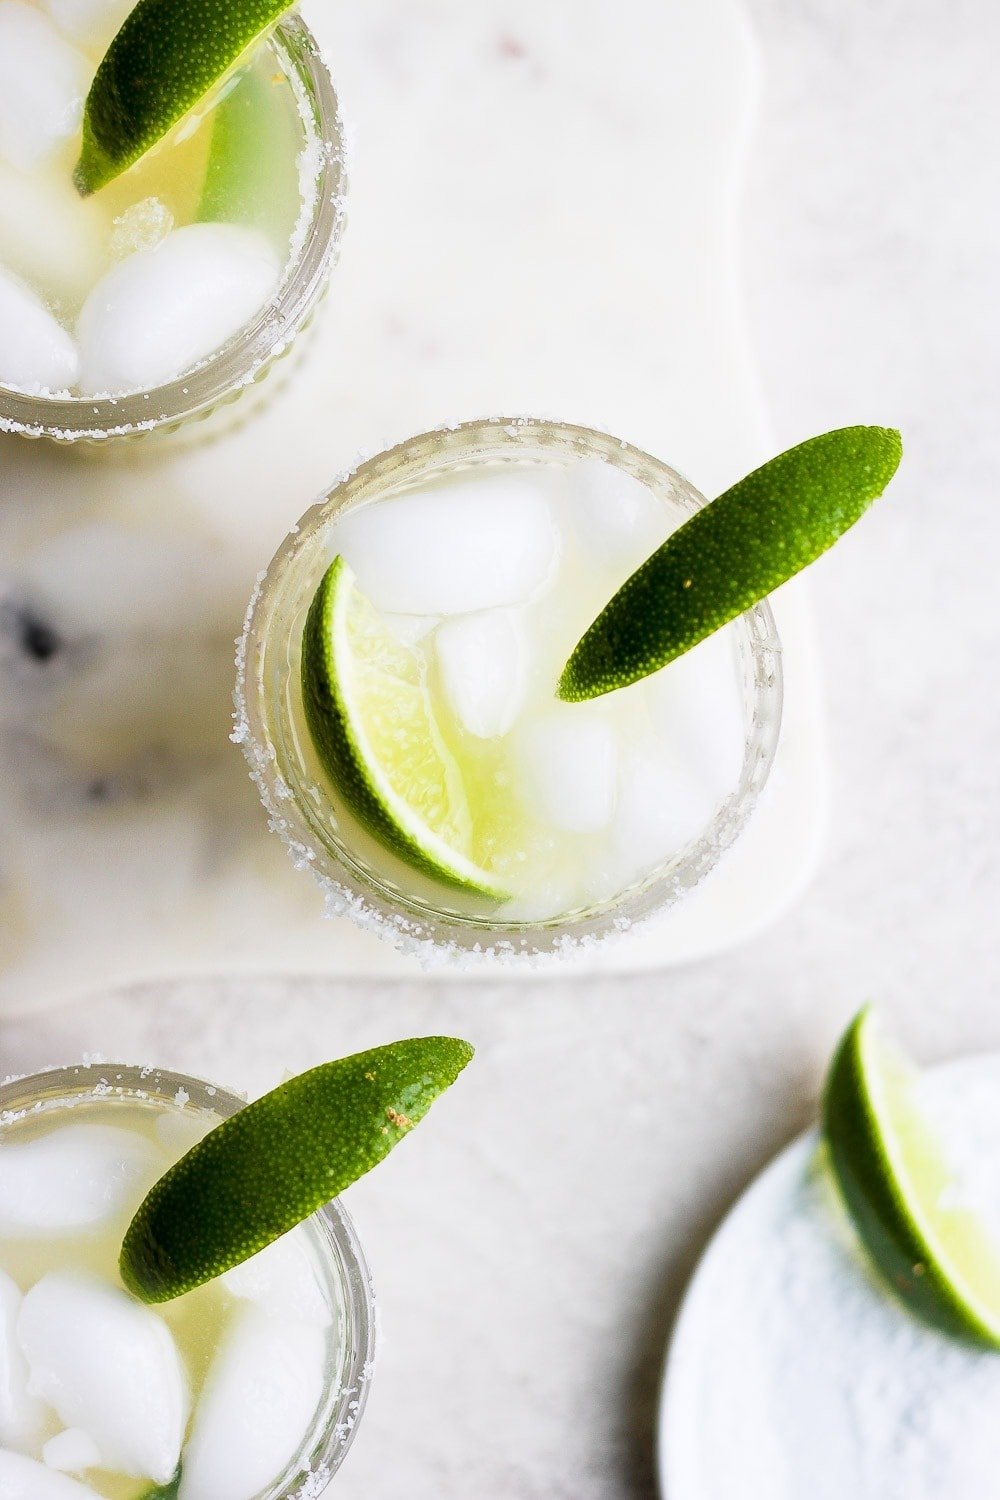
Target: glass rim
438	937
343	1261
242	360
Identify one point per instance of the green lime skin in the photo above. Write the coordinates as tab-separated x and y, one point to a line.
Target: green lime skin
168	55
731	554
278	1161
899	1248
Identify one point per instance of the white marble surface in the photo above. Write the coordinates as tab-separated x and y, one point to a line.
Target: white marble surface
532	1242
582	260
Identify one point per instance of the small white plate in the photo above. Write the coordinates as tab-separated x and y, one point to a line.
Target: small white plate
792	1374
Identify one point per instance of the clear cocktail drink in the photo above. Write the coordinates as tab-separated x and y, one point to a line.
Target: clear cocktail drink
244	1387
179	280
399	688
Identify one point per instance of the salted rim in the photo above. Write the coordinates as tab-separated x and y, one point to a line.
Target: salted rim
434	937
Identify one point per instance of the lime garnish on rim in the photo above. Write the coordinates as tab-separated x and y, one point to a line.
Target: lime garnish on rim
278	1161
168	55
374	728
934	1252
731	554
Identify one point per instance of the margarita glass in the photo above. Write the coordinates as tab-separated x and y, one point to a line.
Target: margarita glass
174	288
525	915
81	1355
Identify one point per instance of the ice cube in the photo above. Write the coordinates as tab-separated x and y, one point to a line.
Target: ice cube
660	807
482	659
49	235
71	1451
109	1366
43	83
93	22
36	353
261	1395
157	314
410	630
566	763
281	1279
75	1176
619	521
22	1418
23	1479
696	707
470	543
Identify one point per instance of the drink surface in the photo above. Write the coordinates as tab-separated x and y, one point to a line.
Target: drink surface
228	1381
467	595
137	284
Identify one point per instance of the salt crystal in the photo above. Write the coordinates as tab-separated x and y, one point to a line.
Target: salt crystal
36	353
470	543
482	659
163	310
108	1365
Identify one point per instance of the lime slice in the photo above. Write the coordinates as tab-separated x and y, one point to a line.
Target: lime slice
255	140
168	55
731	554
264	1170
934	1253
373	725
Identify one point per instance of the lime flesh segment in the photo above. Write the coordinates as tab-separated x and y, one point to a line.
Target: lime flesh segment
168	55
938	1258
731	554
374	730
266	1169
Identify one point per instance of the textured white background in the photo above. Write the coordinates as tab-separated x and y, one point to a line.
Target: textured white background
528	1282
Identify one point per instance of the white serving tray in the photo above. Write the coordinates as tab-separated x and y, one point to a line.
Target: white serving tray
542	218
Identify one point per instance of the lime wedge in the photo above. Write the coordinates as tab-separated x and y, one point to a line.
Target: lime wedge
254	140
933	1252
731	554
373	725
264	1170
168	55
